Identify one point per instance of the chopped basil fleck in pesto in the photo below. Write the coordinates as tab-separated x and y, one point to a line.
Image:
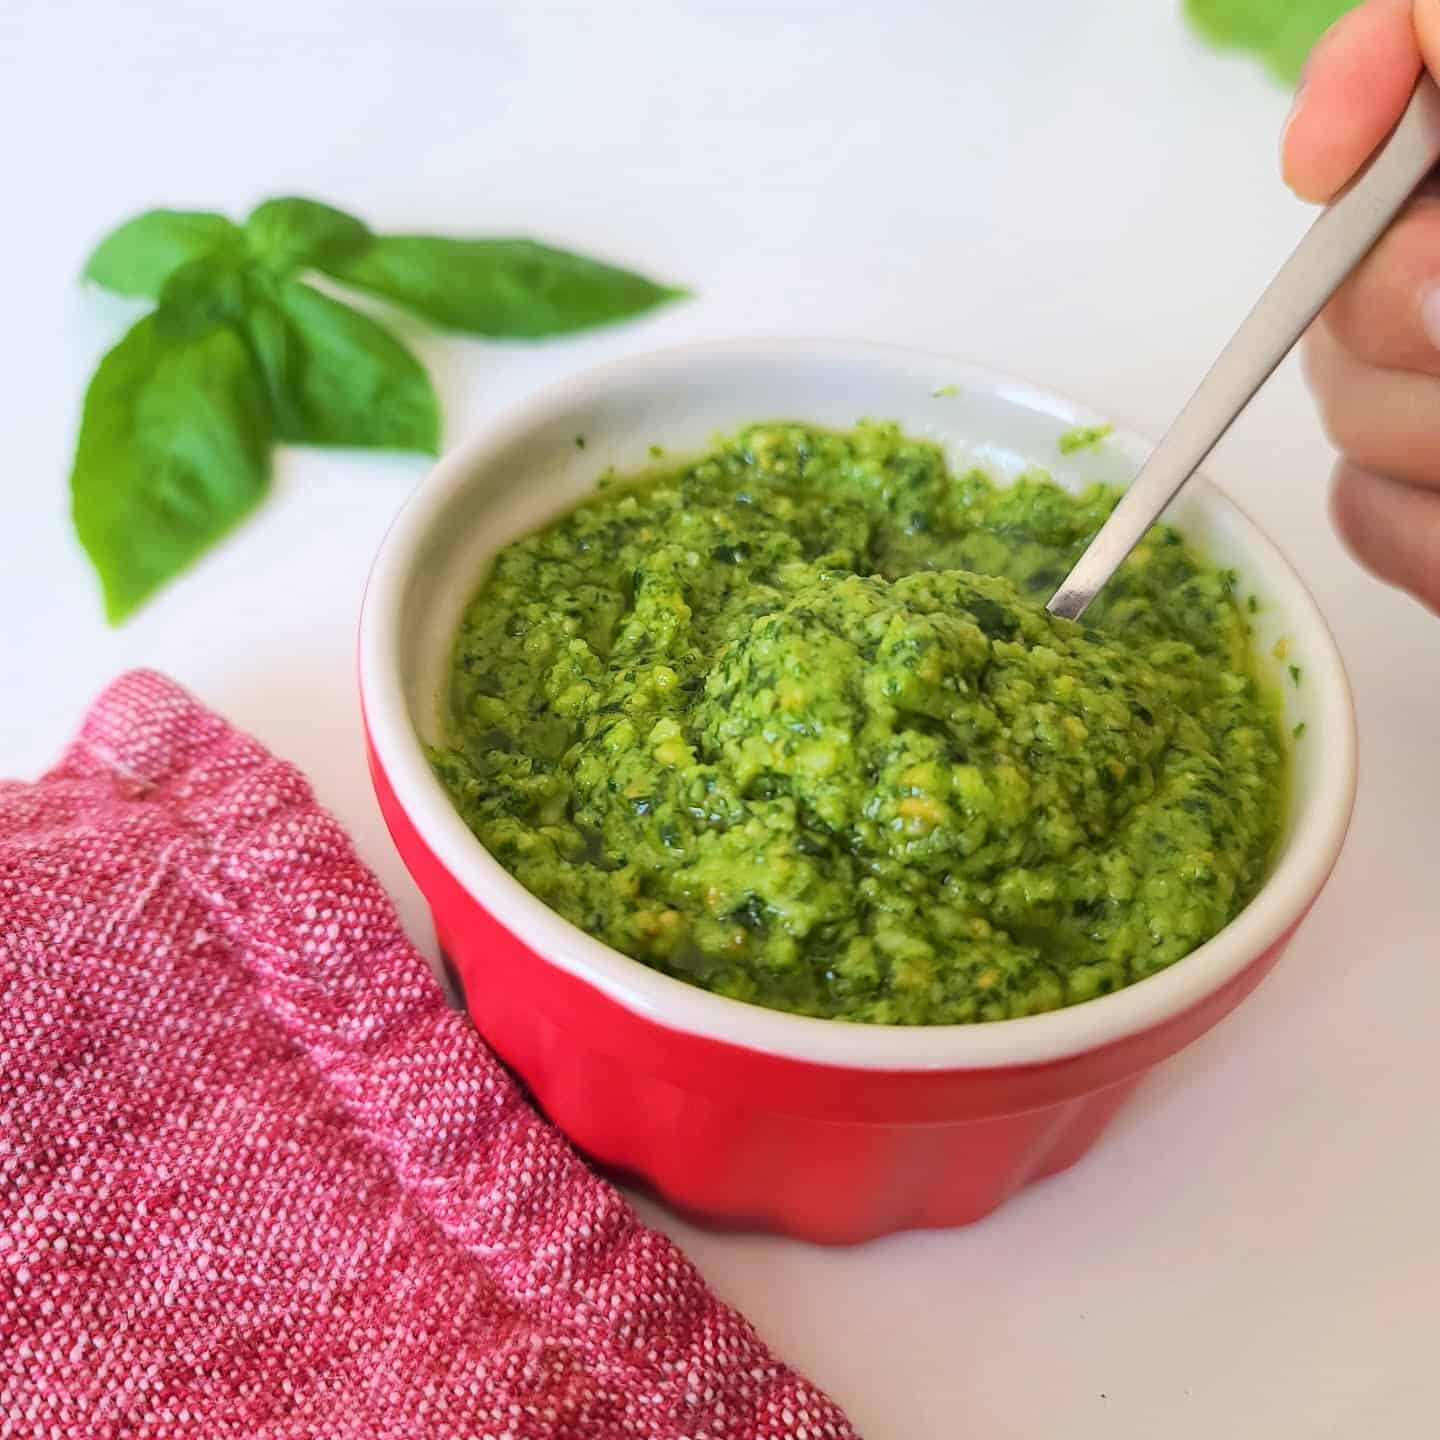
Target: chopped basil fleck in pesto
790	722
1083	438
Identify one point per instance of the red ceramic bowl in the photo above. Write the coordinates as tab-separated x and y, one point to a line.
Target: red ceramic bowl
737	1114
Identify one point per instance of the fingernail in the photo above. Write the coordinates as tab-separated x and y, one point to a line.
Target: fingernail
1298	99
1430	314
1308	65
1295	105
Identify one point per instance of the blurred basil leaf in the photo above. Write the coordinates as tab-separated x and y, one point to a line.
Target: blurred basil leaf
1279	32
174	449
204	293
240	352
292	233
143	253
334	377
500	288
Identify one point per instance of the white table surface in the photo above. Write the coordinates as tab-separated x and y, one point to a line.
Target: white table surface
1069	189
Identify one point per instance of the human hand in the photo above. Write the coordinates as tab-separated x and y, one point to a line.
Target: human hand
1373	357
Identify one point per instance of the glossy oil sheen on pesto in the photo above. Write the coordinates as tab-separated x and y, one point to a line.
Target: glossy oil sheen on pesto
791	723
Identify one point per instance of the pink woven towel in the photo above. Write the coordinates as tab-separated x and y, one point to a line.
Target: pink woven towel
257	1180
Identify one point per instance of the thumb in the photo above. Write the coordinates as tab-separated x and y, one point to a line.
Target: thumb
1356	83
1427	32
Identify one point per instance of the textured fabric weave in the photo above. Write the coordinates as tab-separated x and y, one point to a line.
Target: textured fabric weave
256	1179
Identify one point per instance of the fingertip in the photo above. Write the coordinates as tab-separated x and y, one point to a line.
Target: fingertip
1354	494
1386	314
1391	528
1426	18
1344	483
1296	169
1356	82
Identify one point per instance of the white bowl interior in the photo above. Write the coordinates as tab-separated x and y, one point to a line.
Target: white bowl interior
532	468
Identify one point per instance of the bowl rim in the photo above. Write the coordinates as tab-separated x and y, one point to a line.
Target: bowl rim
1036	1039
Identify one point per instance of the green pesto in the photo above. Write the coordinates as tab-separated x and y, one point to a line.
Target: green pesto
791	723
1083	437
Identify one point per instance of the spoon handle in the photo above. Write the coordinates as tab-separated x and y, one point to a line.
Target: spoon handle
1342	235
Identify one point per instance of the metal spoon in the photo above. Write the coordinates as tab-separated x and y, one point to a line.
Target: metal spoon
1342	235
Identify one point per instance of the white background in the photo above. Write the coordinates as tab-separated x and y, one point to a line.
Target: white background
1072	190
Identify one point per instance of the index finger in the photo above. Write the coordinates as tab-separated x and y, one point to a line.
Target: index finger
1356	83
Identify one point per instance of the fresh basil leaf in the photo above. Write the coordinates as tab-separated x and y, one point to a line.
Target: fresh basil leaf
334	376
201	294
511	288
292	233
143	253
174	449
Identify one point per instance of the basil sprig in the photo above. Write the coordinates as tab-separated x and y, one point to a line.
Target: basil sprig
240	352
